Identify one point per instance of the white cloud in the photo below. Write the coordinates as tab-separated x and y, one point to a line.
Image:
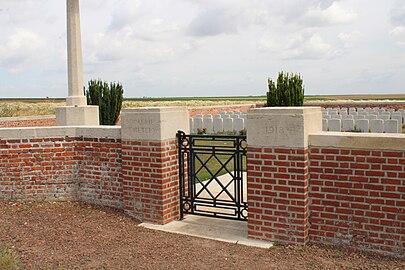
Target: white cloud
332	15
311	46
201	47
21	49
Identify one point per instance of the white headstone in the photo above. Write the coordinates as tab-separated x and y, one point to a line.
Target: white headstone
336	116
347	125
239	124
377	126
217	116
383	117
198	124
208	124
400	120
324	124
218	125
335	125
391	126
333	112
226	116
228	124
192	130
362	125
372	117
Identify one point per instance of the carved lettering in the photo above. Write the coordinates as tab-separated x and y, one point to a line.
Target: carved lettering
275	130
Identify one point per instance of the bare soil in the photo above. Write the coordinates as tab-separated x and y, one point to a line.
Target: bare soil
80	236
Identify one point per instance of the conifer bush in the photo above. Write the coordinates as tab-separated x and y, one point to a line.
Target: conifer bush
108	97
287	91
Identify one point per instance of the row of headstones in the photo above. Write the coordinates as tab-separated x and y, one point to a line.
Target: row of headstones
222	122
360	113
362	125
331	111
375	120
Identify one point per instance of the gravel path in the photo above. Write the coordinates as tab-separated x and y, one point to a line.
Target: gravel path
79	236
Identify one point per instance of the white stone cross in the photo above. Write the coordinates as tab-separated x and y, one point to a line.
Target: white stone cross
75	66
76	112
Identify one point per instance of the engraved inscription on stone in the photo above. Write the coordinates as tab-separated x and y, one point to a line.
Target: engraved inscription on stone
144	126
275	130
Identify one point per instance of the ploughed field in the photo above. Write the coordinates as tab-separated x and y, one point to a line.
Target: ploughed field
80	236
32	107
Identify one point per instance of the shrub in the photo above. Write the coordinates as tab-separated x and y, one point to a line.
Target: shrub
108	97
289	91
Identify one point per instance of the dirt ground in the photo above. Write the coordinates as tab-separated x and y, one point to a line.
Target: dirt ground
79	236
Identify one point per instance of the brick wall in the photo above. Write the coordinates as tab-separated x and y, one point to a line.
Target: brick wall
100	172
38	169
150	172
278	194
358	198
63	168
29	121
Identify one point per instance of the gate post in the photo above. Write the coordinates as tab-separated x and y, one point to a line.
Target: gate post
278	176
150	162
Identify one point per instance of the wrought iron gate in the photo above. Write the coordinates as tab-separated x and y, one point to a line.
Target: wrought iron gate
212	175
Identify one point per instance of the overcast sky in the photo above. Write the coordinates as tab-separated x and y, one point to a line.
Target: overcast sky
206	47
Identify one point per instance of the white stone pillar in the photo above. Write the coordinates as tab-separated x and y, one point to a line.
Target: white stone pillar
76	112
74	47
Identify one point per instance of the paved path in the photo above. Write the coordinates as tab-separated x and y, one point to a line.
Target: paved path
230	231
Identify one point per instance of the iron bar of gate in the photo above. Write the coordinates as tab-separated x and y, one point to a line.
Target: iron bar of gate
190	149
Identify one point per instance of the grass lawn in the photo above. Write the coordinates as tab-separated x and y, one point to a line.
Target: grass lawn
213	162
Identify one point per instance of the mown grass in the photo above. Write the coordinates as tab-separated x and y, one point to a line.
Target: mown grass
212	163
9	260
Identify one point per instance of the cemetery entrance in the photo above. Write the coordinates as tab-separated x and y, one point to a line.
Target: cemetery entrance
213	176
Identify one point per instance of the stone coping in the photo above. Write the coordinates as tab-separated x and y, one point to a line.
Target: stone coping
22	118
222	106
373	141
154	109
111	132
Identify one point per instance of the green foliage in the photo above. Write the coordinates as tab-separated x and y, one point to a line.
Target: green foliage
8	260
289	91
108	97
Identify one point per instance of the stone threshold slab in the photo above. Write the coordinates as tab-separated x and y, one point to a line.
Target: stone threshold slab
230	231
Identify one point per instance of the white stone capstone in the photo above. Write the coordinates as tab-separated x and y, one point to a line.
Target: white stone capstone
153	124
77	116
282	126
